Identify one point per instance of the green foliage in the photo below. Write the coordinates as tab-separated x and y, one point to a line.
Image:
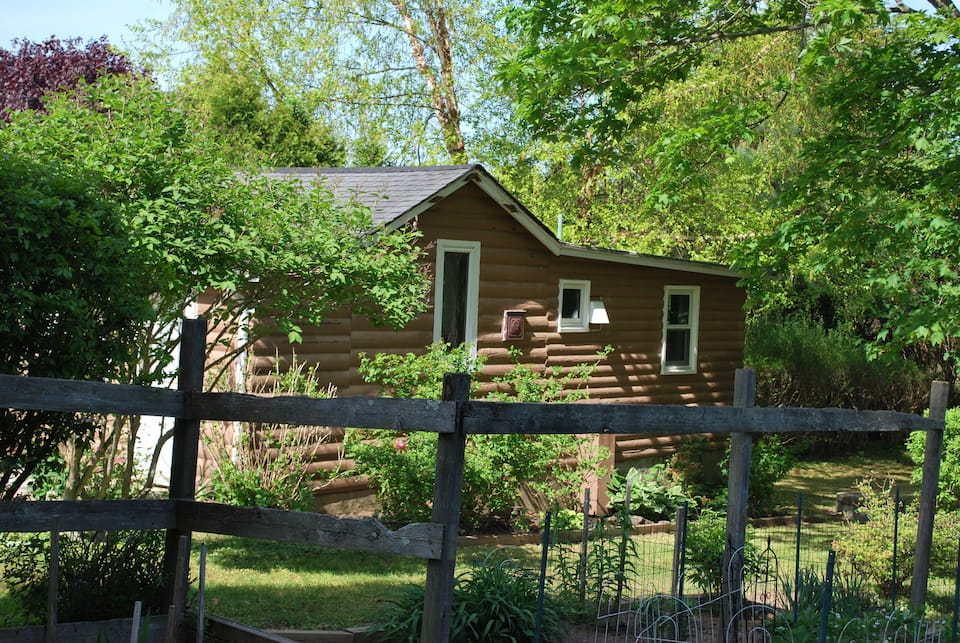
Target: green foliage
498	468
867	548
802	363
495	600
70	298
556	384
252	130
770	461
102	574
655	493
268	467
420	375
696	461
706	541
855	614
184	222
948	492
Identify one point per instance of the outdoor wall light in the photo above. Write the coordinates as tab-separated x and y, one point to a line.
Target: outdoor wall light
598	312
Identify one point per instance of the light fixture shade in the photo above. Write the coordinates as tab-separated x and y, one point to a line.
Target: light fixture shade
598	312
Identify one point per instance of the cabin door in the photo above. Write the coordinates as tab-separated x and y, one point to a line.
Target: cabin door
456	292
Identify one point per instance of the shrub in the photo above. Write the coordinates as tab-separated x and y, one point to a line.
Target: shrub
770	461
948	492
867	548
495	601
655	493
801	363
102	574
268	465
499	470
706	541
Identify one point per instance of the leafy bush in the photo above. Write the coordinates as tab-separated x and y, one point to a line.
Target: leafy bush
494	601
868	547
500	470
770	461
801	363
948	492
696	462
268	465
655	493
102	574
771	458
706	541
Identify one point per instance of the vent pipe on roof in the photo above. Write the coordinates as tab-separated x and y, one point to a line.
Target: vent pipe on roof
560	227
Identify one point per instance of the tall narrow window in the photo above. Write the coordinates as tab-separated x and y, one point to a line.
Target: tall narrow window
574	306
681	310
456	292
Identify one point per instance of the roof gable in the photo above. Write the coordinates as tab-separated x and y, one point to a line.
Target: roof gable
396	195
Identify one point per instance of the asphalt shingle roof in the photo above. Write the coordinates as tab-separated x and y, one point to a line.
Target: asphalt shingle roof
390	192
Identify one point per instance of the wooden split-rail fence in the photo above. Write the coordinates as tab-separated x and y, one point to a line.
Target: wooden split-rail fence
453	418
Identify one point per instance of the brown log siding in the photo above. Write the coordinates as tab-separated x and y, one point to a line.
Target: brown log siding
518	272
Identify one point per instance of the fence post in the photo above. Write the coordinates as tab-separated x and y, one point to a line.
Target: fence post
738	487
928	496
438	595
183	466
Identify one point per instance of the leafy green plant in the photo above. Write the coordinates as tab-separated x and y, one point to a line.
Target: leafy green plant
770	461
655	493
855	613
867	548
706	542
495	600
696	460
419	375
948	492
268	466
508	479
555	384
800	362
102	574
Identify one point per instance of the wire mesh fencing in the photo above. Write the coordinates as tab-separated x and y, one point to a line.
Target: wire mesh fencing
663	583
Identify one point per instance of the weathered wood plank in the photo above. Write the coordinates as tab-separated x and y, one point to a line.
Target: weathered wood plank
86	515
438	592
505	417
420	539
51	394
357	412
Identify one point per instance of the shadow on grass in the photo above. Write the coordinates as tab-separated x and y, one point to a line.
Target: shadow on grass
265	556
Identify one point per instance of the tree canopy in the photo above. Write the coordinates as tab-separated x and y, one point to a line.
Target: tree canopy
845	155
397	79
195	223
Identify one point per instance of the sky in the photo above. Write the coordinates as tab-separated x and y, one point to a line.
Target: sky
36	20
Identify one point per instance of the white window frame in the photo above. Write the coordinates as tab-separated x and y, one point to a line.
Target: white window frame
472	248
570	324
693	326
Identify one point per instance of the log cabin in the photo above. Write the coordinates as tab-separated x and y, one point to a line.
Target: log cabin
502	279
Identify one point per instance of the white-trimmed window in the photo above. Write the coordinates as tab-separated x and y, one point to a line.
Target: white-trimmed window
681	315
456	292
574	306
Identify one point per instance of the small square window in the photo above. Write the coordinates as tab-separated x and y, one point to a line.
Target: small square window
574	306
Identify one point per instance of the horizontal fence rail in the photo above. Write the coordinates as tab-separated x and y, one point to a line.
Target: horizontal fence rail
421	540
44	394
